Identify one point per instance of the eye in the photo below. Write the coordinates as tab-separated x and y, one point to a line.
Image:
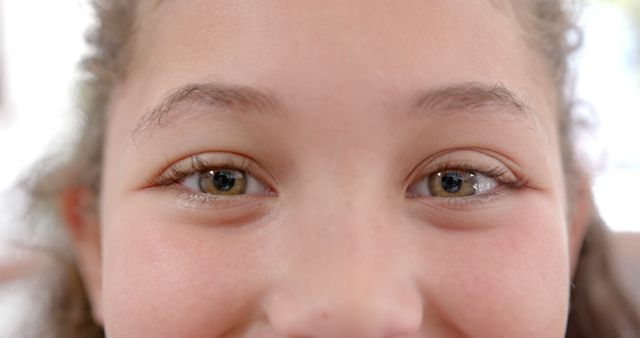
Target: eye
216	175
453	184
225	181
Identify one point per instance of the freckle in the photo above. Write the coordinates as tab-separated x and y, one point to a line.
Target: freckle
324	315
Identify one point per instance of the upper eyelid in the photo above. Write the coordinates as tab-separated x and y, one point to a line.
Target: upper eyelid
426	169
466	167
231	163
199	162
451	158
239	161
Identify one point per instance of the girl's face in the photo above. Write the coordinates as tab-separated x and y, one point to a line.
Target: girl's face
332	169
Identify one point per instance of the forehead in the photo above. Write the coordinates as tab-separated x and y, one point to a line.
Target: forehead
376	35
359	25
333	51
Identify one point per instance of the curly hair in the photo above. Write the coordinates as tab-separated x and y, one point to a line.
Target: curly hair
598	306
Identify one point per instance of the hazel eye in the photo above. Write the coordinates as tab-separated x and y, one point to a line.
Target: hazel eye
224	182
453	184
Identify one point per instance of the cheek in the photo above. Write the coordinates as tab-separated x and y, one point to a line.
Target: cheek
510	279
165	277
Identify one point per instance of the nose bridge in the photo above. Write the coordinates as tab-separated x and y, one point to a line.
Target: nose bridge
345	278
346	220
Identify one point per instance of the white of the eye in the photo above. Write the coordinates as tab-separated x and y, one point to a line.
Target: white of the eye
422	188
192	182
254	187
484	184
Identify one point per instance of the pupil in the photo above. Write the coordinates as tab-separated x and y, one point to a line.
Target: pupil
223	180
451	182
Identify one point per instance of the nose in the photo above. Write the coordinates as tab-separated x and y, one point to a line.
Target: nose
345	285
339	307
361	316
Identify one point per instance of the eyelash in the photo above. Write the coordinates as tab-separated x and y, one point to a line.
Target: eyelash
499	172
176	174
505	179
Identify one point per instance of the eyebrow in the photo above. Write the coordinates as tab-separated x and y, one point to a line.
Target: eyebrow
234	98
472	96
469	97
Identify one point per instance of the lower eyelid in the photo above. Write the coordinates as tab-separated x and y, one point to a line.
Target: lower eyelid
469	202
191	200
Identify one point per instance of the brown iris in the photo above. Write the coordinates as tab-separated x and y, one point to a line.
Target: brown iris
223	182
452	183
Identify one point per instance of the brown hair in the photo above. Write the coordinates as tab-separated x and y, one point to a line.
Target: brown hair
599	307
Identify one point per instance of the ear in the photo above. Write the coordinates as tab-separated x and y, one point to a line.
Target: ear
581	211
80	215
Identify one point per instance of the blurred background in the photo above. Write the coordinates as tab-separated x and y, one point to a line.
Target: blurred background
42	40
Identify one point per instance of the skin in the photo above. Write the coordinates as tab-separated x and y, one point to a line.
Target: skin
336	245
